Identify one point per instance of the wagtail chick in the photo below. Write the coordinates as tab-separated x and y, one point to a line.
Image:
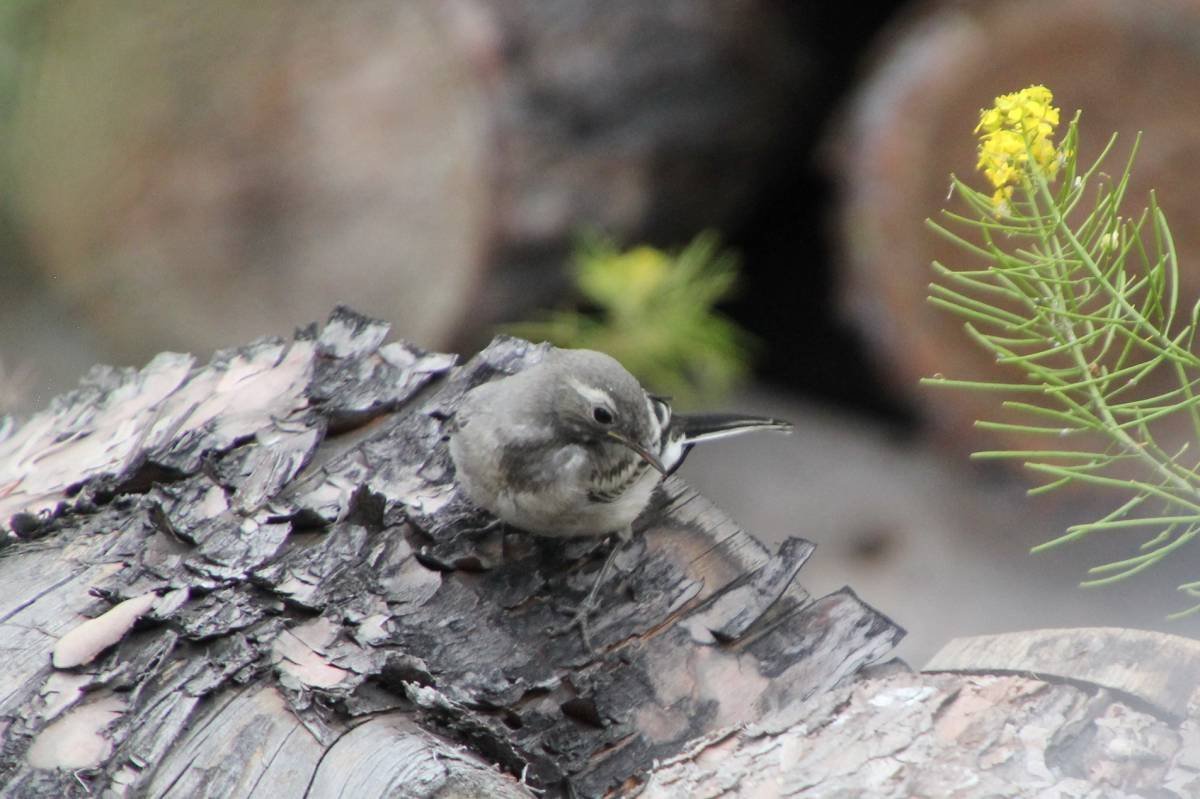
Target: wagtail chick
574	446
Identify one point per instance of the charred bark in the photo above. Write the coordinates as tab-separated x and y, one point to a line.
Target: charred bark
256	577
1088	713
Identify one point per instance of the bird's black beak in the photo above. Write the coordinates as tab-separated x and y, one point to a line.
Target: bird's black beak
645	454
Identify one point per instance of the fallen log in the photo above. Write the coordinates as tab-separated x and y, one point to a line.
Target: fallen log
199	176
1100	713
257	577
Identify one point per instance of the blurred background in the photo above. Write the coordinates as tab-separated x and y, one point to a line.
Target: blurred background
191	175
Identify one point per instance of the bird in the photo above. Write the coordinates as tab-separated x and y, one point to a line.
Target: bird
574	446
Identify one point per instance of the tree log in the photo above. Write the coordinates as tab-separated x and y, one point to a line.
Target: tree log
1092	714
194	175
257	577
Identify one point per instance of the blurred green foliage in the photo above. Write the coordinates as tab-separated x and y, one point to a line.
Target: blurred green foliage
22	25
654	311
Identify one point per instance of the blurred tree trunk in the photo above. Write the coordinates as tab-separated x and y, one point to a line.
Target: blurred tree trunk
193	174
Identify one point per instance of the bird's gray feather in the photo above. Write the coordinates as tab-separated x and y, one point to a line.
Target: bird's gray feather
531	448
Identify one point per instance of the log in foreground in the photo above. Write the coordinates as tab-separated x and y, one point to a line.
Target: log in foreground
971	733
257	578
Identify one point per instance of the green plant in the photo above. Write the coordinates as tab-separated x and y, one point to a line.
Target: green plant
655	312
21	39
1080	299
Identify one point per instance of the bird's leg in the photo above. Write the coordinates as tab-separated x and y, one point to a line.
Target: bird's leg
580	619
585	608
490	526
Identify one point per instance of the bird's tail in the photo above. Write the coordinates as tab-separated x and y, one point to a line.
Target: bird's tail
701	427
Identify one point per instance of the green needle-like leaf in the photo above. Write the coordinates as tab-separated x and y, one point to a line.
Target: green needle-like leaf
1078	305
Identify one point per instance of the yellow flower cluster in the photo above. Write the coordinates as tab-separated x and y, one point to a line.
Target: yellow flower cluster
626	281
1016	129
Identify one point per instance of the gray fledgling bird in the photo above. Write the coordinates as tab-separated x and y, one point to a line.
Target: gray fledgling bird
574	446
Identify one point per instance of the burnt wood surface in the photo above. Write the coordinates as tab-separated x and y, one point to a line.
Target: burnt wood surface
1089	713
952	736
257	578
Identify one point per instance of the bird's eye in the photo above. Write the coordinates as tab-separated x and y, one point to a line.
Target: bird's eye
602	415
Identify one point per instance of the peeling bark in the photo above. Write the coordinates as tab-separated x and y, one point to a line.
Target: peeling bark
330	615
961	733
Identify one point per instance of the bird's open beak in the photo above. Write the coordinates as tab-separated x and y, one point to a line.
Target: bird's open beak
646	455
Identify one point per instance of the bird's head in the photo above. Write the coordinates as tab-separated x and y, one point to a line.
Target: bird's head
599	403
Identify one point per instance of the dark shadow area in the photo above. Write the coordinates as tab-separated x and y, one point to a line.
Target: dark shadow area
788	296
